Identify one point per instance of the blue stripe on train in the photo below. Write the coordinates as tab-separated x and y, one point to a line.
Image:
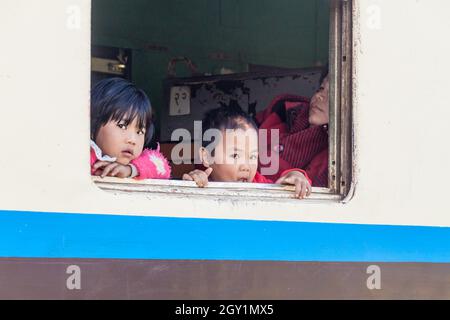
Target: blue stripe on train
53	235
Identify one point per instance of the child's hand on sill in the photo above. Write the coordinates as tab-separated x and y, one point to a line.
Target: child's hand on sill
297	179
200	177
111	169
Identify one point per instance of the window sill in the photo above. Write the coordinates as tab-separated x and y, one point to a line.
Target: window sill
215	190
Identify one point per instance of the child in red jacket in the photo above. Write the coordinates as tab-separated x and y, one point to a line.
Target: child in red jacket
121	124
233	155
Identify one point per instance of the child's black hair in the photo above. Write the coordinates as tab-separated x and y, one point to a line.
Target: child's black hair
117	99
229	116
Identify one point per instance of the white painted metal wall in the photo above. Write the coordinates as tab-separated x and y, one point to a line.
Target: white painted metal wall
401	67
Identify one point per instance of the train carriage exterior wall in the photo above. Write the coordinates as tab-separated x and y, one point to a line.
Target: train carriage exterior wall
397	216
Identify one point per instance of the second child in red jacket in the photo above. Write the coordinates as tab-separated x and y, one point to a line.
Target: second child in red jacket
234	154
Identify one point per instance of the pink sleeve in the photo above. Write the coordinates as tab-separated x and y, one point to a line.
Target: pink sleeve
151	164
93	159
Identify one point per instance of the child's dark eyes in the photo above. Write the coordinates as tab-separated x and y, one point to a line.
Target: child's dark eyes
237	156
124	126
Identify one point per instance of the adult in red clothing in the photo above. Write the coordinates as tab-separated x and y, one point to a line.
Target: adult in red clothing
303	132
233	156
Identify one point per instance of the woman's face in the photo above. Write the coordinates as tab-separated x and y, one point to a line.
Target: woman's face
319	105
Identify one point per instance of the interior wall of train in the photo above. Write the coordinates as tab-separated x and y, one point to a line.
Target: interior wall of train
250	51
218	37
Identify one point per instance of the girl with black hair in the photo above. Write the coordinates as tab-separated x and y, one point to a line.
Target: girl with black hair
234	156
121	125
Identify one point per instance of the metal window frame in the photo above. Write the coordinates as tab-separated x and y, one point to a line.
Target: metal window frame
340	165
340	77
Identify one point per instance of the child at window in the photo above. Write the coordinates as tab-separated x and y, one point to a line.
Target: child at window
235	156
121	124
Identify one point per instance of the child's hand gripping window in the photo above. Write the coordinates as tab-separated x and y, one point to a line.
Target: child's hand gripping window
299	180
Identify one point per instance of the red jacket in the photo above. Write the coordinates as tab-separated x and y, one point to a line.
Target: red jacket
301	145
259	178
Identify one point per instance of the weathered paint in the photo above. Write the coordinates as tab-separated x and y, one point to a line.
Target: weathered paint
400	122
